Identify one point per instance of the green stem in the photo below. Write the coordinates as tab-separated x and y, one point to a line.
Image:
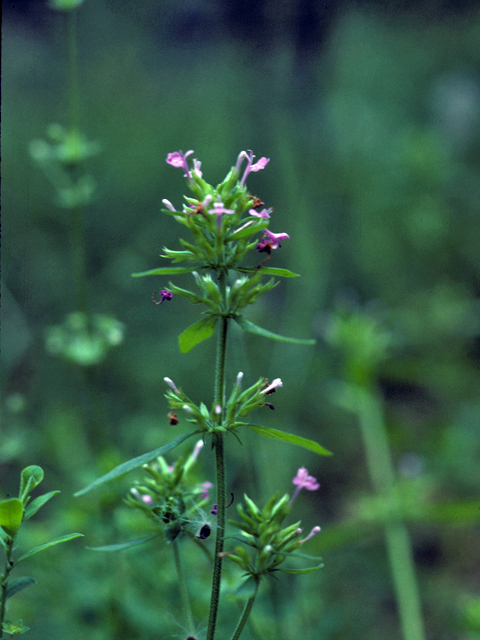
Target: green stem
219	393
73	84
183	588
397	538
4	580
77	216
245	615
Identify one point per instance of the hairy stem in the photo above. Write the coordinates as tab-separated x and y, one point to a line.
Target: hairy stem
183	588
4	580
219	393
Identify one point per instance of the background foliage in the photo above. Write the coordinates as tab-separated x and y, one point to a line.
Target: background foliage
370	114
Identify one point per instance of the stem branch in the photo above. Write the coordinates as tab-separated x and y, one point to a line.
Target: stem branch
245	615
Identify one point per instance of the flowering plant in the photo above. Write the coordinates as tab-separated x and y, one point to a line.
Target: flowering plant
226	223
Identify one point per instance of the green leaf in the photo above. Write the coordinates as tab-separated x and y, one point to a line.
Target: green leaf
135	463
164	271
251	230
17	585
307	570
196	333
38	503
11	513
47	545
31	477
124	545
268	432
253	328
270	271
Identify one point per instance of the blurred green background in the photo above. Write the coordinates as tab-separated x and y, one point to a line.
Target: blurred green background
370	114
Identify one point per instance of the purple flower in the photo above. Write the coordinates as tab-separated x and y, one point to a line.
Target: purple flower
164	295
303	481
271	241
261	164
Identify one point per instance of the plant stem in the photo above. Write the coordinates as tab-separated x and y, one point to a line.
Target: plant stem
4	580
73	85
219	393
183	588
246	613
397	538
77	216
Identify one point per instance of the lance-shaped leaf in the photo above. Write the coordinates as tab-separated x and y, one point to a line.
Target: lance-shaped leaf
291	438
11	512
124	545
135	463
307	570
47	545
269	271
164	271
249	230
253	328
38	503
17	585
196	333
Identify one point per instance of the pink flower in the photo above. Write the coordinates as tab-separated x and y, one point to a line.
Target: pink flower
179	159
271	241
219	209
303	481
261	164
265	213
206	486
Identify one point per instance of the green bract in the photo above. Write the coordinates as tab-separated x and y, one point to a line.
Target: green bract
268	543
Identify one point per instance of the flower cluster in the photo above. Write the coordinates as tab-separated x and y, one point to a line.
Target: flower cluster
268	544
168	496
223	221
215	215
218	418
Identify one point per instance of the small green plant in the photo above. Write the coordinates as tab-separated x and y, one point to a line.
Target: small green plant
226	223
13	513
